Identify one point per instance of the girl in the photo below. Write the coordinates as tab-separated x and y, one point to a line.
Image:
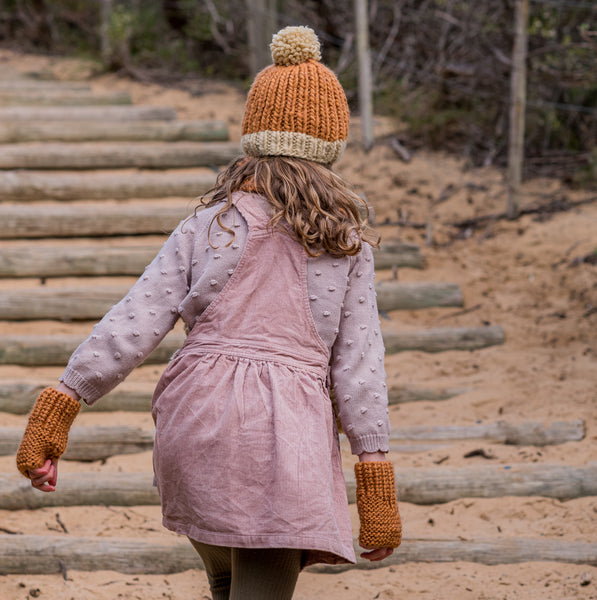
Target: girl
274	281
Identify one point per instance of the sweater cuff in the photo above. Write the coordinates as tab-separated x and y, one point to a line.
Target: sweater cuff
88	392
372	442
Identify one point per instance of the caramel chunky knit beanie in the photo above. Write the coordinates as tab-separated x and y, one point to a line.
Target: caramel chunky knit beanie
296	107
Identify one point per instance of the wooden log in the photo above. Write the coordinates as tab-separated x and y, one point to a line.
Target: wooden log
55	350
443	339
37	85
402	295
436	485
416	485
46	260
444	484
135	112
46	554
399	394
40	350
92	302
488	551
53	554
117	155
91	220
95	443
59	97
527	434
89	443
26	186
17	397
60	261
114	131
394	254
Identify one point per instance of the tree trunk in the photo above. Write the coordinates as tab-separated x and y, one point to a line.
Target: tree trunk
118	155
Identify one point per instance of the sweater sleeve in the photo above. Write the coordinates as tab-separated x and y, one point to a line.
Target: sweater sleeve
135	326
357	368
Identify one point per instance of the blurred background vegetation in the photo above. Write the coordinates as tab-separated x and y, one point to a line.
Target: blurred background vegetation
440	66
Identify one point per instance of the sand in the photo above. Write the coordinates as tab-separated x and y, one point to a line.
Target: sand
523	275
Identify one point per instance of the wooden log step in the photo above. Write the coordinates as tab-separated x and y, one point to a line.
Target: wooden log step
114	131
26	186
400	394
60	97
92	302
21	85
55	554
55	350
402	295
98	219
488	551
98	443
89	443
137	112
422	486
51	260
117	155
17	397
524	434
442	339
410	254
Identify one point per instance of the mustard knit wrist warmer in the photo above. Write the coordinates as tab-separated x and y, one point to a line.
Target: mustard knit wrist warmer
377	505
46	434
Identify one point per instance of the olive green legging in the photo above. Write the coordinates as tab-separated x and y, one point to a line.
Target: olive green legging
250	573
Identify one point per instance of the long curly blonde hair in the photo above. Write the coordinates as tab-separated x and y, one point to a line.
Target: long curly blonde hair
318	205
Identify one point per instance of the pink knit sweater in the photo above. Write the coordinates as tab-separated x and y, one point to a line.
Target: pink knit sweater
187	275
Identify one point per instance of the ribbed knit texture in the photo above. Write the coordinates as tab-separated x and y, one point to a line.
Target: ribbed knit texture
377	505
296	107
47	430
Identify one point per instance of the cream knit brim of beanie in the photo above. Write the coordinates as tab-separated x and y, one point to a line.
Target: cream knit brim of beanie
296	107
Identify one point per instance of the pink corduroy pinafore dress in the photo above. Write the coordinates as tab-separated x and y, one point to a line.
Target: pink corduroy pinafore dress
246	450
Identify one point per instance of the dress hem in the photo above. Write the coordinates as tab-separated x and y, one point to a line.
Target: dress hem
316	550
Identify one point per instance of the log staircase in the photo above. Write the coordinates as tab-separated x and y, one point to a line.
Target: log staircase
89	186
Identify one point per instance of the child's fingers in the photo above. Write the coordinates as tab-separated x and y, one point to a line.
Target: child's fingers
43	480
40	471
377	554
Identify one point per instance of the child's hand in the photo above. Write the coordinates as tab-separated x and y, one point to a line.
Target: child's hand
377	554
44	478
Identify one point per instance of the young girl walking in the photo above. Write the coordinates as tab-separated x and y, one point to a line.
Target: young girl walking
274	282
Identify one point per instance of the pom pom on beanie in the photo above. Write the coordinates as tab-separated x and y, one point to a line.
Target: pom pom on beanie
294	45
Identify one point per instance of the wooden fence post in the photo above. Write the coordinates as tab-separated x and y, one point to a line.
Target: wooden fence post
365	83
517	108
261	25
106	46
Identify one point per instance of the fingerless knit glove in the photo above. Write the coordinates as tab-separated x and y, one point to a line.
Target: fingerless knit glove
377	505
47	430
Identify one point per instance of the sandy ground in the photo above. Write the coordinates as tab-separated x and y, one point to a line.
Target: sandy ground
523	275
